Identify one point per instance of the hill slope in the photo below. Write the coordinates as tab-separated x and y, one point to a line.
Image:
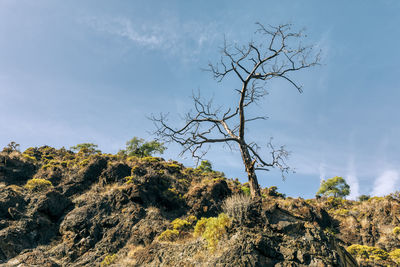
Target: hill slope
60	208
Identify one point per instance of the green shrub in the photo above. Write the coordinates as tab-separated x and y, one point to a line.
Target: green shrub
12	146
169	235
245	190
341	212
173	168
395	256
86	149
396	230
212	229
173	193
129	179
376	198
29	157
179	224
366	252
205	166
364	197
84	162
150	159
108	260
38	184
140	148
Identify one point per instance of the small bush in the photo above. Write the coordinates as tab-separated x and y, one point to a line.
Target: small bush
396	230
245	190
173	168
376	198
179	224
212	229
205	166
173	193
364	197
395	256
108	260
237	207
341	212
38	184
169	235
366	252
129	179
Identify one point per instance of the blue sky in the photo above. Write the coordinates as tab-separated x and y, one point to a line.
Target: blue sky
91	71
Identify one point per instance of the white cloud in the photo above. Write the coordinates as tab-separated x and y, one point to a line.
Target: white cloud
385	183
183	39
352	179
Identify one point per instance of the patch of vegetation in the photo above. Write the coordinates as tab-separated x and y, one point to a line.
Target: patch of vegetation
341	212
86	149
169	235
396	230
186	224
237	207
205	166
273	191
395	256
173	167
364	197
212	229
37	184
179	226
376	199
151	159
245	190
11	147
173	193
108	260
335	202
335	186
367	253
140	148
129	179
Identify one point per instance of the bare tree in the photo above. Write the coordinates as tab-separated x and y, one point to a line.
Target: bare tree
278	53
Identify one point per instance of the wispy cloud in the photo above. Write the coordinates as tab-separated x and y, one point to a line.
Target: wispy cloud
322	171
352	179
185	40
385	183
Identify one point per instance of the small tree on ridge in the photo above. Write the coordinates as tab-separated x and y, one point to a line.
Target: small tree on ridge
335	186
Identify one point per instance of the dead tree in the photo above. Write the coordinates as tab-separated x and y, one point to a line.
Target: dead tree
277	53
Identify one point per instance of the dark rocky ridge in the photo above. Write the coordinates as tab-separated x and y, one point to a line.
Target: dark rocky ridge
91	212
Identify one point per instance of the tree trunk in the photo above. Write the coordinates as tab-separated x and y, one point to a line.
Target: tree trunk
255	191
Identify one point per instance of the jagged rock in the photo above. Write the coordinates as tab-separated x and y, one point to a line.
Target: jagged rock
16	171
115	173
205	200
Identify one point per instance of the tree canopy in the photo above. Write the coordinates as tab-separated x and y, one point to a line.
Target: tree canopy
86	148
335	186
140	148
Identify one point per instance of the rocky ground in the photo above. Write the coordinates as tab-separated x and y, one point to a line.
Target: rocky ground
59	208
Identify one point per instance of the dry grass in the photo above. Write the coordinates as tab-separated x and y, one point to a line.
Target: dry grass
237	207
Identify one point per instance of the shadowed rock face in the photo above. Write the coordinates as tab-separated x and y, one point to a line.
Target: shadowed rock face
94	214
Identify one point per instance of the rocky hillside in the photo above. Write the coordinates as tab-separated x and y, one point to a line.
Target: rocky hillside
60	208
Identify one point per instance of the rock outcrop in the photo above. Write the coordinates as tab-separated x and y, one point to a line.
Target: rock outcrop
109	210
